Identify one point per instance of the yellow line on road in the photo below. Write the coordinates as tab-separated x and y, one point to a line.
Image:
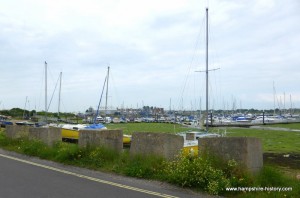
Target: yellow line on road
90	178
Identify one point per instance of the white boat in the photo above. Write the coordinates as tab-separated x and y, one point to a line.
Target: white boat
190	146
267	119
108	120
99	119
116	120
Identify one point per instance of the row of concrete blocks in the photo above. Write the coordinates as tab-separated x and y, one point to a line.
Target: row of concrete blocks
246	151
50	135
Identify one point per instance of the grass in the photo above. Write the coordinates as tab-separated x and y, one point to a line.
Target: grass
273	141
277	142
270	177
288	126
129	128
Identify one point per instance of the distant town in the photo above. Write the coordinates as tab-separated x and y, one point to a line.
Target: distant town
155	114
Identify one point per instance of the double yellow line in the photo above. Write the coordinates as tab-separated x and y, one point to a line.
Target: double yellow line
90	178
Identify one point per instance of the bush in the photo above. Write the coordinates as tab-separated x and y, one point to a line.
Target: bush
196	172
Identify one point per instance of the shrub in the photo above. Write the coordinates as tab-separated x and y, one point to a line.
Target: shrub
196	172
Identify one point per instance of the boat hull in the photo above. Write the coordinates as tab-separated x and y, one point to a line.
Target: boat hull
74	135
69	134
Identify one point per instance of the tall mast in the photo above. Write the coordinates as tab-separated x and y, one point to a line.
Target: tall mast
284	109
206	70
106	90
24	108
59	94
97	113
46	110
274	97
291	110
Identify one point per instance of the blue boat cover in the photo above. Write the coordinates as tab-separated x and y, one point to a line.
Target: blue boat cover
7	123
95	126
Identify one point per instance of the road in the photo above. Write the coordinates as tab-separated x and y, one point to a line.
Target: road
23	176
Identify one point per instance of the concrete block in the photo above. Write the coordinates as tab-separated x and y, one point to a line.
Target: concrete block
247	151
47	135
163	144
17	131
107	138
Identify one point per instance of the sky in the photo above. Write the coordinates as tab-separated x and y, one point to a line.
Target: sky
153	49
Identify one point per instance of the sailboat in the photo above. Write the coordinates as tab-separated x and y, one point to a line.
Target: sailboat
71	131
191	144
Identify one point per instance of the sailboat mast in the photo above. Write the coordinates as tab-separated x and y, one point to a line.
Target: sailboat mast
59	94
46	110
97	113
274	97
206	70
291	110
24	113
106	90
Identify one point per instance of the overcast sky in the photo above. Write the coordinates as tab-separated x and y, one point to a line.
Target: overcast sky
153	49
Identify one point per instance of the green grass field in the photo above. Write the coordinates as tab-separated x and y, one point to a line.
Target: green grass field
288	126
129	128
274	141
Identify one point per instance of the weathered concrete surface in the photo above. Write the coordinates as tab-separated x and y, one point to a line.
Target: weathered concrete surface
47	135
16	131
163	144
107	138
247	151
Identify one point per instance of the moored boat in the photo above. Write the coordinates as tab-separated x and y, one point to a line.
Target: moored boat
191	139
71	131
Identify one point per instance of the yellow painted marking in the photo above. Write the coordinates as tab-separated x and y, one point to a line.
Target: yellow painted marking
89	178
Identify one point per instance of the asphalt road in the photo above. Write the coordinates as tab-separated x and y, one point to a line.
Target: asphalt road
27	177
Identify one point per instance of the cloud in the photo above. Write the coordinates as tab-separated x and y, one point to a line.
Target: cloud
153	49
